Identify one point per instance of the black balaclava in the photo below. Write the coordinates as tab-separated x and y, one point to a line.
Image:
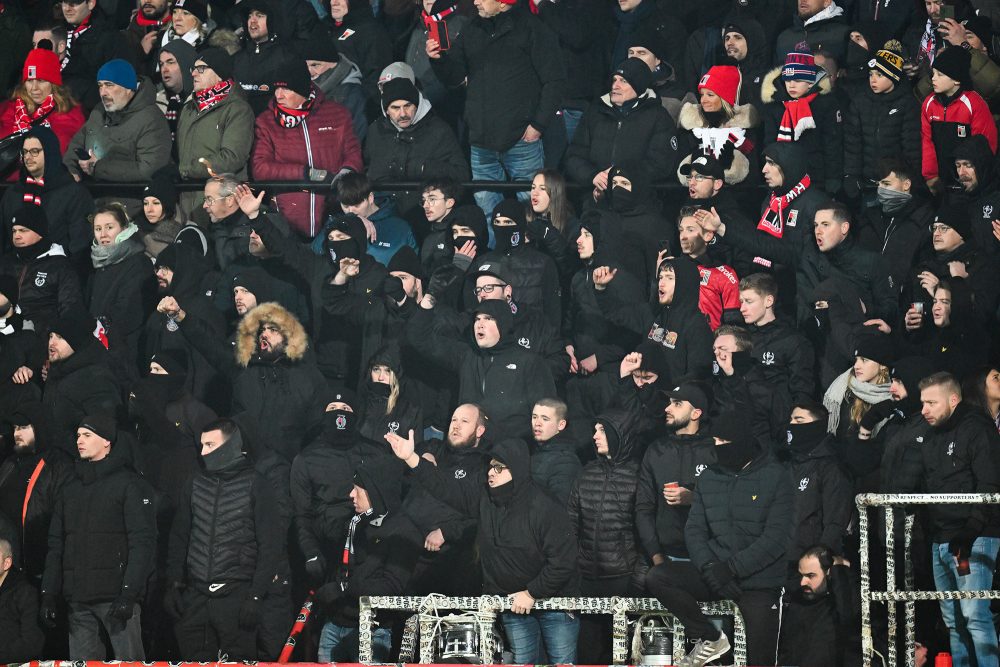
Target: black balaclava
803	438
225	456
339	426
740	449
510	237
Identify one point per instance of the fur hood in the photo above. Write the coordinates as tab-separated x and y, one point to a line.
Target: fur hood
769	91
744	115
291	329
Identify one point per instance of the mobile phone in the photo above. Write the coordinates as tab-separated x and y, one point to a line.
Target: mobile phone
438	31
83	153
947	12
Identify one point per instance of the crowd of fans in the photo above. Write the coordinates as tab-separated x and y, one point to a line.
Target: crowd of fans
218	400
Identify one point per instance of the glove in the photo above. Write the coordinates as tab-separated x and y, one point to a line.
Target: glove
852	187
393	288
329	593
877	413
316	568
49	611
249	612
442	278
122	609
720	579
173	600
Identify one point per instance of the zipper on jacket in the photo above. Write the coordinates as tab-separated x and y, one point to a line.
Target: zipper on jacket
211	534
614	142
312	193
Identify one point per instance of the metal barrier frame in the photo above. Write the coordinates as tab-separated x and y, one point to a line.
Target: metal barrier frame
487	607
891	596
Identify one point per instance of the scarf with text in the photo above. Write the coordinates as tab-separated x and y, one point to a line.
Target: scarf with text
289	118
798	118
33	188
208	98
72	36
23	120
773	220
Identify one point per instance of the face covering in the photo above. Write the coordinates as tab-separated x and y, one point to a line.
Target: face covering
338	250
380	390
226	455
501	495
166	387
622	199
805	437
735	455
507	237
742	362
892	200
460	241
338	425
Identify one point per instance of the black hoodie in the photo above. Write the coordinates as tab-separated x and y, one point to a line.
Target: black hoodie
376	419
983	202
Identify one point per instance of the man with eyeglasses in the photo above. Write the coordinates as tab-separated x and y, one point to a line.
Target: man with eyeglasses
526	545
90	42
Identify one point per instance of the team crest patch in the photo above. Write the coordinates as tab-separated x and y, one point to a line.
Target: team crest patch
987	212
767	359
706	274
793	215
393	426
515	239
803	484
961	131
459	474
524	342
347	34
341	422
670	339
40	279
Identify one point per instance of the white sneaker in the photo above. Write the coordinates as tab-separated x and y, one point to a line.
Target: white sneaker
705	651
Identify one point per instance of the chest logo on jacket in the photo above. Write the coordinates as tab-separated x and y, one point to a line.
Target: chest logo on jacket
803	484
40	279
988	212
767	358
698	469
393	426
524	342
459	474
951	448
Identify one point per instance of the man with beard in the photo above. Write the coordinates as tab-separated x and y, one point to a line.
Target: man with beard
144	30
980	191
671	468
822	615
447	564
126	138
818	22
225	550
176	58
718	292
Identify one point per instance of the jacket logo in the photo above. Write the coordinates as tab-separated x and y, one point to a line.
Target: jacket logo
673	142
920	438
347	34
803	484
524	342
459	474
440	246
951	448
214	587
145	501
393	426
698	469
341	422
706	275
767	358
512	367
40	278
325	129
839	117
987	211
753	497
892	111
961	130
793	215
515	239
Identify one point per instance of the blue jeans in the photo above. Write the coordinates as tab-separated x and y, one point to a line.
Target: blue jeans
340	644
555	632
518	163
970	624
571	120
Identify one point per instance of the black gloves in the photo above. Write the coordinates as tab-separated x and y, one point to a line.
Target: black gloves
173	600
877	413
121	610
249	612
393	288
442	278
719	578
49	611
329	593
316	568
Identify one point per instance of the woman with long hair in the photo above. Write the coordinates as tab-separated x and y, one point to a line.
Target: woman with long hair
387	403
42	99
855	391
551	218
162	222
982	389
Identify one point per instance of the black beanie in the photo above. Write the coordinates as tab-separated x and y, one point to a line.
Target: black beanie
637	73
910	371
103	426
161	186
292	73
10	290
954	63
77	332
956	216
592	223
197	7
471	216
29	413
343	395
406	260
219	61
256	281
981	27
174	362
399	89
876	347
513	209
31	217
322	50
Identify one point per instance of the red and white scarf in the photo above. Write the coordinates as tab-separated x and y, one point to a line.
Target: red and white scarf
148	23
798	118
773	219
22	119
289	118
208	98
71	36
440	16
33	190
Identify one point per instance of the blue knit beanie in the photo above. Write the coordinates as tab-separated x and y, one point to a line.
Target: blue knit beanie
120	72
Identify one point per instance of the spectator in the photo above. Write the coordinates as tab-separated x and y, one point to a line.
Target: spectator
21	638
550	207
506	115
821	23
453	24
51	34
650	46
859	389
41	99
633	15
410	142
940	130
189	21
438	200
144	32
744	45
385	230
950	332
102	543
387	400
737	549
739	385
176	60
628	126
898	459
983	389
554	463
984	72
718	291
303	136
719	126
20	352
162	222
338	79
364	41
127	137
90	43
980	191
226	532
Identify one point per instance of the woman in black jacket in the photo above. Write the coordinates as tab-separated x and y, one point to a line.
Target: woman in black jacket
122	288
388	404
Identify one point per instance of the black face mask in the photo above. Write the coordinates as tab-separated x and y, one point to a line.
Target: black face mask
338	425
805	437
501	495
622	199
227	455
32	252
380	390
166	387
338	250
742	362
507	237
460	241
735	455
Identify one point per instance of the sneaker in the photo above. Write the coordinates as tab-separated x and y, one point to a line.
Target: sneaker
705	651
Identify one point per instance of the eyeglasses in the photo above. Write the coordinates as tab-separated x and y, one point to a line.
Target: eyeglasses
939	228
200	69
488	289
212	200
431	200
497	467
699	178
33	152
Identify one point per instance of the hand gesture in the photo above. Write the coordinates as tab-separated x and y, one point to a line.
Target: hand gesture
951	31
148	40
434	540
631	362
468	249
928	281
350	267
603	275
710	221
958	270
601	180
248	203
22	375
168	306
881	324
402	447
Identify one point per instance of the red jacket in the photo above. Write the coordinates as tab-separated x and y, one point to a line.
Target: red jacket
324	140
64	125
941	128
719	291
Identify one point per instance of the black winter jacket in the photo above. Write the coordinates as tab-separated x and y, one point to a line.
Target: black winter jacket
743	520
822	504
880	126
865	269
424	150
601	506
467	467
786	361
48	284
21	640
555	466
78	386
902	237
983	201
102	539
531	274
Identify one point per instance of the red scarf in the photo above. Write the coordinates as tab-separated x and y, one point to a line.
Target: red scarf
289	118
208	98
773	219
73	34
22	119
440	16
798	118
33	190
148	23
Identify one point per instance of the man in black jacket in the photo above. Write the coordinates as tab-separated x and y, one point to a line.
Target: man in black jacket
90	42
737	533
102	544
554	462
958	455
980	190
21	640
225	550
509	61
526	545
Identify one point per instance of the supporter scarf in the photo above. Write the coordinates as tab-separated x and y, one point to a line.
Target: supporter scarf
773	220
22	119
208	98
345	562
289	118
147	23
71	36
440	16
798	118
173	111
927	43
33	190
868	392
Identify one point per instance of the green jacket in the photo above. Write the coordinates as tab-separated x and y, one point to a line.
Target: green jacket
130	144
223	135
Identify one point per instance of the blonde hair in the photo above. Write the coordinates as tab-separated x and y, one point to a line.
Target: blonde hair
393	386
860	408
61	96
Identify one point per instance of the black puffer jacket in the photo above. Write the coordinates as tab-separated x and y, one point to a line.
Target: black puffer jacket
366	43
49	287
865	269
902	237
639	131
743	520
102	539
21	640
531	273
467	467
822	502
601	505
78	386
880	126
786	362
555	466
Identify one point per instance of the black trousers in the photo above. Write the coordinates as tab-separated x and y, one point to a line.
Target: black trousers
210	626
679	587
593	647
